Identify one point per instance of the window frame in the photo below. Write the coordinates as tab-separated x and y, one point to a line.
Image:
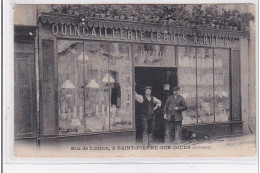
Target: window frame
84	81
196	70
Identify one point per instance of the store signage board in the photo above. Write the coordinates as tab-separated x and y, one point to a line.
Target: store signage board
64	30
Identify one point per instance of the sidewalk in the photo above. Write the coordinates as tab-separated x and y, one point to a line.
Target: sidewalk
232	140
239	146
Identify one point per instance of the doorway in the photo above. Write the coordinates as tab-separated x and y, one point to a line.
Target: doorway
156	77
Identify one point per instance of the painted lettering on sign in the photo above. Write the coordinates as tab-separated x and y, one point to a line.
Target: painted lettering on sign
154	54
141	36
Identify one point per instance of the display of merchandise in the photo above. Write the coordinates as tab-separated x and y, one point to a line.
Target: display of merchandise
201	79
100	99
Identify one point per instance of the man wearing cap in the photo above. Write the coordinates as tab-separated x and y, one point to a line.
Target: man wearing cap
149	105
172	110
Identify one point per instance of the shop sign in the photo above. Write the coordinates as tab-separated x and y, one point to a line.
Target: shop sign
137	36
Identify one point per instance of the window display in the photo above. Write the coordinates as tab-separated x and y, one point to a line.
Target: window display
94	86
187	82
96	96
119	84
95	83
205	85
221	85
204	81
69	74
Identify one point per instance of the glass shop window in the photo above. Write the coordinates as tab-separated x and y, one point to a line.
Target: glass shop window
94	87
119	57
69	82
205	85
203	76
221	85
187	82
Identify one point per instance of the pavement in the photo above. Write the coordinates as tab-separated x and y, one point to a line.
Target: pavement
231	140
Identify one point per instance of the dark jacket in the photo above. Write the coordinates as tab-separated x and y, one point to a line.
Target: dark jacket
170	104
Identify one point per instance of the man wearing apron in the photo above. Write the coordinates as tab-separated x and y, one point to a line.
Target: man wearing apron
149	105
172	110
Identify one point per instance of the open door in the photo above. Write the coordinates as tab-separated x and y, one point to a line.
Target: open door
161	80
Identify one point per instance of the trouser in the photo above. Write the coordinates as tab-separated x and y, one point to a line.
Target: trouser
169	127
148	124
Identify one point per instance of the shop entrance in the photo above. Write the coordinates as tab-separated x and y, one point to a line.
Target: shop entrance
157	78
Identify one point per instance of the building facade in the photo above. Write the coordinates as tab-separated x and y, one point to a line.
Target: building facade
83	76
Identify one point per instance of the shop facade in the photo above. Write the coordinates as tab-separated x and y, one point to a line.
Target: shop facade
88	72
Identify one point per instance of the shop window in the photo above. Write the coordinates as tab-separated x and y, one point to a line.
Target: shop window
70	82
205	85
121	86
94	87
222	84
203	75
187	82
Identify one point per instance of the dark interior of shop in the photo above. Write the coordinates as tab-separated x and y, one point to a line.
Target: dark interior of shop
156	77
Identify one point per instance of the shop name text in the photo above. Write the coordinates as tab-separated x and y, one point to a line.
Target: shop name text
140	36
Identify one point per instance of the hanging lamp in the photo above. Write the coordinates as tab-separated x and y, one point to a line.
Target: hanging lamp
93	84
82	58
108	79
67	84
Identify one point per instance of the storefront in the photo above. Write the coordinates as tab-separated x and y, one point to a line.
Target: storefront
89	71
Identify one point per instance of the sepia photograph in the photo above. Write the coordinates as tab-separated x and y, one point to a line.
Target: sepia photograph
134	80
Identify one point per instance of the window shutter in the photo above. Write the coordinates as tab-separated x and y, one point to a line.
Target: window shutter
25	110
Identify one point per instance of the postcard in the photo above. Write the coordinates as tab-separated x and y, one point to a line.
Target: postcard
134	80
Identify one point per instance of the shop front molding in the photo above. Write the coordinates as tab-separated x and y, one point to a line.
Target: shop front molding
47	18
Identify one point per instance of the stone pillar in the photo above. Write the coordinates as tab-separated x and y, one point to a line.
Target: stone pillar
244	82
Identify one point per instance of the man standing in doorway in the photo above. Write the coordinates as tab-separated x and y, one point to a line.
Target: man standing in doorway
172	110
149	105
